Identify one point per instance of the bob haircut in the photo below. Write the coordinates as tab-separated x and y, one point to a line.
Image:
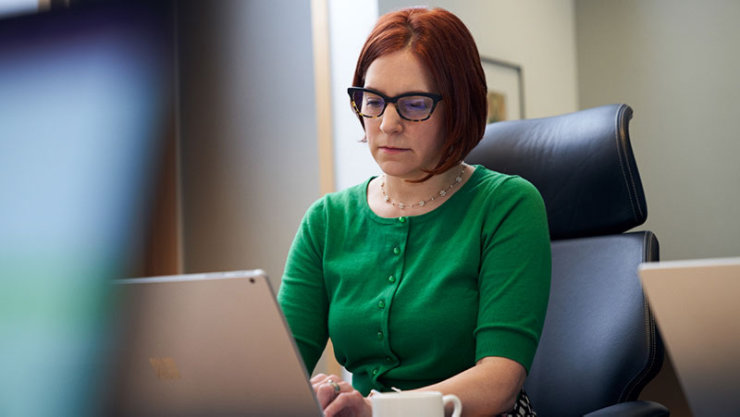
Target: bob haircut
446	48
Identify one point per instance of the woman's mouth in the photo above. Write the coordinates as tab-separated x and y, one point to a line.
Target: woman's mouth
391	149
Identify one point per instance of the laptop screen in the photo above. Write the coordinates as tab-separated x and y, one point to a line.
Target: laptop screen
696	309
206	345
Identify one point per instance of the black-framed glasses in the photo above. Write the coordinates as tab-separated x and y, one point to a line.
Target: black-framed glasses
414	107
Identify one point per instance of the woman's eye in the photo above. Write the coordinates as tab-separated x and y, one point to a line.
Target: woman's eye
374	102
416	104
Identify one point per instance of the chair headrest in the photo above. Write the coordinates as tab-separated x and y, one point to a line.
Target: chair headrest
582	164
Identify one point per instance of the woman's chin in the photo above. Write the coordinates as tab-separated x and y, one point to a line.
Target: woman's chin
405	172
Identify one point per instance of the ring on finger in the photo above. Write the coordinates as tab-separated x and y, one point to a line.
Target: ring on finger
334	385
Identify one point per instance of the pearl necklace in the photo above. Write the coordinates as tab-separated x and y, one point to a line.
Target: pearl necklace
441	194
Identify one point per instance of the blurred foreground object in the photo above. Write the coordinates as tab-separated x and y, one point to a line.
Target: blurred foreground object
85	105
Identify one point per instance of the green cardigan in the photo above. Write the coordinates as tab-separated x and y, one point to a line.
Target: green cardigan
411	301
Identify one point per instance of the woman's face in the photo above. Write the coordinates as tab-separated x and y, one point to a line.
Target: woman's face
403	148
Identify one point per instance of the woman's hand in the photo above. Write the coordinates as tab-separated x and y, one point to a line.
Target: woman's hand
338	399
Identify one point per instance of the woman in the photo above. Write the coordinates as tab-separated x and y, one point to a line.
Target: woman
434	275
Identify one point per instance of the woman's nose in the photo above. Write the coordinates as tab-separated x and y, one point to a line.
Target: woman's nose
391	121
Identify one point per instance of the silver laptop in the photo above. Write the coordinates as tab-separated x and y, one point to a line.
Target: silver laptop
697	308
206	345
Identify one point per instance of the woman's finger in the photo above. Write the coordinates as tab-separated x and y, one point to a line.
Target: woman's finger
325	394
318	378
328	387
323	378
347	404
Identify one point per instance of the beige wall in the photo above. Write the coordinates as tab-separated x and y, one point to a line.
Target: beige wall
350	22
538	35
249	159
676	62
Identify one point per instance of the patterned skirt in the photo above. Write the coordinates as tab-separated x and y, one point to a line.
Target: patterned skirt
522	407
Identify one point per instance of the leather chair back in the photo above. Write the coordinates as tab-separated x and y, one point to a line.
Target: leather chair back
599	346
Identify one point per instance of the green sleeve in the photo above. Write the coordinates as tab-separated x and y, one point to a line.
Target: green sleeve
514	280
302	294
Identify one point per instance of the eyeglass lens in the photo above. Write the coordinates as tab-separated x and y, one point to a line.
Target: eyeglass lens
410	107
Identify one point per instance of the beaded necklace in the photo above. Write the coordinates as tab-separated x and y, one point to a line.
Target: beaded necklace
441	194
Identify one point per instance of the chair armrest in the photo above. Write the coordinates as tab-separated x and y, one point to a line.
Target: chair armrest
632	409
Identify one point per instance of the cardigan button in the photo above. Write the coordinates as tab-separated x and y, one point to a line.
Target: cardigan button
396	250
402	219
380	335
391	279
381	304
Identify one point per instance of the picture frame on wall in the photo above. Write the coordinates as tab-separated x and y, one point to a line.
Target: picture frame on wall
505	95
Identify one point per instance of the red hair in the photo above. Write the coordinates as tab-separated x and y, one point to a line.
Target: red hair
446	48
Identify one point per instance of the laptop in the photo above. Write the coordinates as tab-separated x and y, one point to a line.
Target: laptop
212	344
697	308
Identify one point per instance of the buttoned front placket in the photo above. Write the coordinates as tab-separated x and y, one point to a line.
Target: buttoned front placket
392	277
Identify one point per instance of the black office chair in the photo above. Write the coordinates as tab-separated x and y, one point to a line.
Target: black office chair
599	347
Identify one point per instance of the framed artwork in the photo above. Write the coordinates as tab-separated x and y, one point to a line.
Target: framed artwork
505	90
